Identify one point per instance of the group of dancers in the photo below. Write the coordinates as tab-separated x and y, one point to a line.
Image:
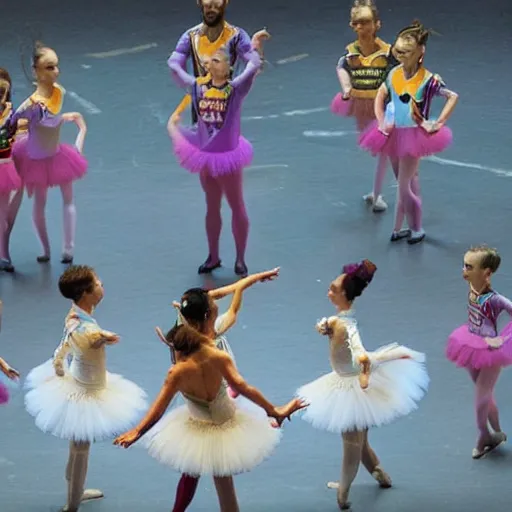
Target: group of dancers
227	426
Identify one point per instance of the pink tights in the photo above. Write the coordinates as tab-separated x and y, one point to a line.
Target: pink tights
9	207
408	195
485	405
69	218
230	185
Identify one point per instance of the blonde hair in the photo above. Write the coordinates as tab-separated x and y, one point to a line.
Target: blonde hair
490	257
358	4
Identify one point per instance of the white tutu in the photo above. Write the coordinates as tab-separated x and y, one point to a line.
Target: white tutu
197	446
337	403
64	408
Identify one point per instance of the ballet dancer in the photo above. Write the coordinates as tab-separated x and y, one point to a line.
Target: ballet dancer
7	370
10	181
410	89
365	389
192	307
217	435
200	42
215	149
41	159
361	71
81	401
477	347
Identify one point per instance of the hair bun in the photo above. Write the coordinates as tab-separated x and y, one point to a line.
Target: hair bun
364	270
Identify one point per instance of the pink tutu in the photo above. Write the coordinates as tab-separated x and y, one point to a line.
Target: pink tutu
217	164
4	394
468	350
9	178
415	141
66	165
360	108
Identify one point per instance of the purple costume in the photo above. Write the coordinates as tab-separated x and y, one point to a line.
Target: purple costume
467	346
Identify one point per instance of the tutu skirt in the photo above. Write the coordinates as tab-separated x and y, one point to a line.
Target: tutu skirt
64	408
338	404
198	447
9	178
359	108
401	142
67	165
196	160
468	350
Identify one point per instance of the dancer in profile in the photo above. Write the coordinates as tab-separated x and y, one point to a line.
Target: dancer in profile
403	130
213	434
82	402
216	150
202	41
477	347
41	159
6	369
365	389
10	182
361	71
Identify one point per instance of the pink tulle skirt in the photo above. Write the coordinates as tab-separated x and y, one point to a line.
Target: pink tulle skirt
359	108
4	394
65	166
401	142
468	350
9	178
216	164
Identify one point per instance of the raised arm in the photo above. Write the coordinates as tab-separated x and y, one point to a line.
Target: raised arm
243	82
245	51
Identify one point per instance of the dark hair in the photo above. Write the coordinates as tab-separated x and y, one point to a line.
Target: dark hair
75	281
357	277
358	4
195	305
4	75
184	339
416	31
490	257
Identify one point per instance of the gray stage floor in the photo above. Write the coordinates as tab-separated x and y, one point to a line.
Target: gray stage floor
140	223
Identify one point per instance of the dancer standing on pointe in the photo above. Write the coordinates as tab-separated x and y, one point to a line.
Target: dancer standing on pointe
10	181
410	89
361	71
212	434
365	389
41	159
81	401
6	369
477	347
216	150
200	42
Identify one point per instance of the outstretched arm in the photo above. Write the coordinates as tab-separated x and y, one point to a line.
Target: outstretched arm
243	82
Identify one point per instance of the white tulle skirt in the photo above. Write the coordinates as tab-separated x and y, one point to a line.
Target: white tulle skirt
64	408
337	403
197	447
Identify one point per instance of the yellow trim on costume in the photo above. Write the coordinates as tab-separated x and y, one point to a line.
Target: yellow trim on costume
207	47
402	85
383	51
360	93
54	103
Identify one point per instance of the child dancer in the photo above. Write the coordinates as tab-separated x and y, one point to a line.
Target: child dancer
216	151
41	159
81	401
365	389
212	434
410	88
361	71
7	370
477	347
9	179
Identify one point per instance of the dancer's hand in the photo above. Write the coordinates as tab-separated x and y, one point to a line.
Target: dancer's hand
431	126
346	95
127	439
364	376
286	411
494	342
323	327
59	370
110	337
258	38
10	372
385	128
270	275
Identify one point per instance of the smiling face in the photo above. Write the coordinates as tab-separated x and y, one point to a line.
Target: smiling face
46	67
407	51
363	22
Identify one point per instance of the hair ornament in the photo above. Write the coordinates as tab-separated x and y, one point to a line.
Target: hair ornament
363	270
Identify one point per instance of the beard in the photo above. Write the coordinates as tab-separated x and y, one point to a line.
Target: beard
213	21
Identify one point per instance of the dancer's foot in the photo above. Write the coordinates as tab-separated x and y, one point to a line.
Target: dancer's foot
382	477
43	259
378	205
67	259
400	235
88	495
497	439
342	498
241	269
6	266
208	266
416	237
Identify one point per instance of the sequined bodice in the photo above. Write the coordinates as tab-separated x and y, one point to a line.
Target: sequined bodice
218	411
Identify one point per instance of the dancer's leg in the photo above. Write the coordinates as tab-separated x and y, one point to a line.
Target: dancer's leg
69	222
76	473
227	494
352	451
14	207
485	383
185	492
232	186
213	194
4	211
39	219
379	205
372	464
